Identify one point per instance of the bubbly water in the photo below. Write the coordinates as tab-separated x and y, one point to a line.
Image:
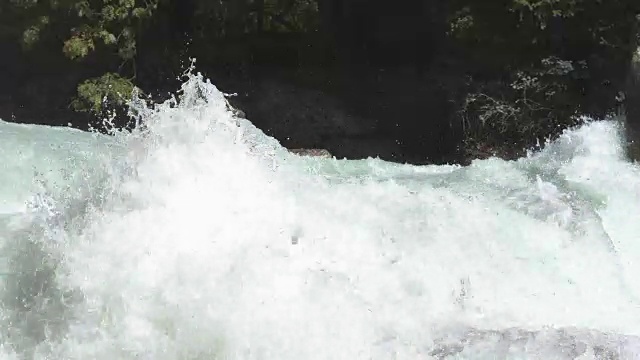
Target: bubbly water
202	238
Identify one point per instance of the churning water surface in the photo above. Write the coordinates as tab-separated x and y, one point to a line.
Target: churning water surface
202	238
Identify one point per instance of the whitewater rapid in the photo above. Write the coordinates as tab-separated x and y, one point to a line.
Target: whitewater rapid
201	238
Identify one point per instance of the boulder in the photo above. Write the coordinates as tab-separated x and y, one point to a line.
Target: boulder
323	153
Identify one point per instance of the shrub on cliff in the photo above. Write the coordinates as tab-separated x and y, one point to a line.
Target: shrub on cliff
84	28
537	64
506	117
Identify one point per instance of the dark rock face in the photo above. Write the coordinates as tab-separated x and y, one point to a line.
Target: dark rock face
632	107
298	116
391	114
301	117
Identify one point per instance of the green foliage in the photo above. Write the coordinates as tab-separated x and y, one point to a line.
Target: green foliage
511	32
230	18
110	22
87	26
84	26
535	104
32	34
537	58
98	94
79	46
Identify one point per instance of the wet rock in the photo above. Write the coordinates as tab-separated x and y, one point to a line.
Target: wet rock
557	343
312	152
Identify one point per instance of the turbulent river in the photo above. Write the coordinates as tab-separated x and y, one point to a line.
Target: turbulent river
202	238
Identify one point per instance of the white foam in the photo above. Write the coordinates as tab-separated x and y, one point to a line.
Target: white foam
221	245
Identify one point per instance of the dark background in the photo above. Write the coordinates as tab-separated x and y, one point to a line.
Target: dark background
407	81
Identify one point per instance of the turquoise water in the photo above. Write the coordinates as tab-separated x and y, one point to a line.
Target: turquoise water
202	238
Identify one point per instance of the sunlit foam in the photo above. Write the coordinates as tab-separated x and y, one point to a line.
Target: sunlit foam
200	238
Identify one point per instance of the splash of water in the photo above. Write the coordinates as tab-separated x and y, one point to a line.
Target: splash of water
201	238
